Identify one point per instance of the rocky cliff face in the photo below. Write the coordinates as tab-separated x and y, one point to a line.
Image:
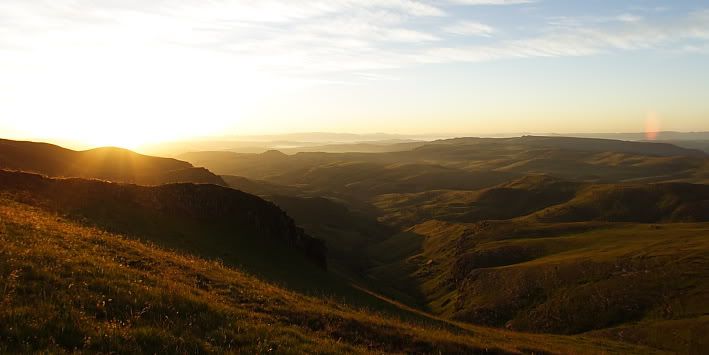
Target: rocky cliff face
206	216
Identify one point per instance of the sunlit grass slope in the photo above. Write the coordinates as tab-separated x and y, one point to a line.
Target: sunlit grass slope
65	287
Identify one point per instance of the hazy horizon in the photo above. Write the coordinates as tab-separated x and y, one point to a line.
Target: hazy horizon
292	140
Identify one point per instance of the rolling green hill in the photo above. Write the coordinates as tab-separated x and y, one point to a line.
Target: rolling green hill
607	259
648	203
507	200
559	278
550	200
463	164
356	175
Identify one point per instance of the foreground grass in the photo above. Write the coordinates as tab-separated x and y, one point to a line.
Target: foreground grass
65	287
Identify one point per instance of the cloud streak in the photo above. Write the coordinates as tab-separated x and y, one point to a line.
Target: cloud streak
492	2
468	28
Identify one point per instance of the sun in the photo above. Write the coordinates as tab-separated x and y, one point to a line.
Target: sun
84	130
105	98
120	138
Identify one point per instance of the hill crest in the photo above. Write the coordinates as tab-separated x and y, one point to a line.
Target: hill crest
106	163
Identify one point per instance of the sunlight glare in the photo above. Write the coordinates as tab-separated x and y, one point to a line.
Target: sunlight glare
652	126
124	95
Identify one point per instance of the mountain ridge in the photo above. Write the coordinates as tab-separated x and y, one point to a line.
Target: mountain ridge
106	163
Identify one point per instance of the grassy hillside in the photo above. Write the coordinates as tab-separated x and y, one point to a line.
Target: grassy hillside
210	221
553	256
579	159
463	164
560	278
206	220
113	164
354	175
602	238
549	199
669	202
489	251
65	287
507	200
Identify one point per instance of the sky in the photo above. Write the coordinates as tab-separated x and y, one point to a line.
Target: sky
125	73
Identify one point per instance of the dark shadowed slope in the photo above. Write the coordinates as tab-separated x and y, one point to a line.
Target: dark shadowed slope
205	219
698	144
113	164
346	233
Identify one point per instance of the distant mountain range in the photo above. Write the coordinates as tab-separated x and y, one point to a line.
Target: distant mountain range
464	163
380	142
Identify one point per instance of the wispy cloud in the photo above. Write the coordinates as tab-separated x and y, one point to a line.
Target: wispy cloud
317	36
696	49
629	18
579	41
492	2
468	28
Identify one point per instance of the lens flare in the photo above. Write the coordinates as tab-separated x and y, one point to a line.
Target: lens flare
652	126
